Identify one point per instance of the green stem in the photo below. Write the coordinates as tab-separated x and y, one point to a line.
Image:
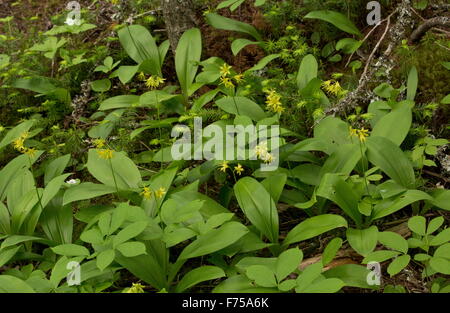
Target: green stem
114	176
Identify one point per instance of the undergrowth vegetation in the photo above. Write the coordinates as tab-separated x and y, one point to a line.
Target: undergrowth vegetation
93	197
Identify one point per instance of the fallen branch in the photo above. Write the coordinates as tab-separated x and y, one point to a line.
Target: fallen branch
427	25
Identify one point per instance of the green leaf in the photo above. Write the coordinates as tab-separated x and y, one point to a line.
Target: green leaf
263	62
418	225
394	125
71	250
440	265
129	232
348	45
105	258
390	159
15	133
275	185
337	19
214	240
241	106
11	284
442	237
330	285
288	262
140	46
413	81
56	168
330	250
125	73
392	205
131	249
352	275
118	102
311	273
363	241
379	256
92	236
119	170
398	264
187	57
262	275
220	22
101	85
258	206
307	71
393	241
198	275
85	191
239	44
313	227
434	224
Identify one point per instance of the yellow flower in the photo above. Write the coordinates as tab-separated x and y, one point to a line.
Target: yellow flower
141	77
362	134
105	154
333	87
226	82
136	288
238	169
154	81
18	144
99	143
261	149
225	70
238	78
268	158
160	192
224	166
31	152
273	102
147	193
352	131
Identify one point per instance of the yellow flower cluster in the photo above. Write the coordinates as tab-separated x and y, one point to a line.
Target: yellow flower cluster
136	288
105	154
273	101
147	193
237	169
362	133
99	143
333	87
154	81
225	71
263	154
19	145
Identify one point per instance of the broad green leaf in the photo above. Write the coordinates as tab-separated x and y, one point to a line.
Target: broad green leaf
330	250
438	264
380	256
330	285
105	258
262	276
12	284
390	159
275	185
118	171
129	232
15	133
187	57
288	262
198	275
263	62
442	237
101	85
220	22
398	264
418	225
311	273
394	125
307	71
434	224
239	44
393	241
131	248
119	102
140	46
392	205
56	168
258	206
363	241
85	191
337	19
313	227
352	275
214	240
241	106
71	250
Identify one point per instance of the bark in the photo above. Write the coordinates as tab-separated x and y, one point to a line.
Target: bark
404	23
427	25
179	16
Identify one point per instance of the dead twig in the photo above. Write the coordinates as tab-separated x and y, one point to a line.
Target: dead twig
427	25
